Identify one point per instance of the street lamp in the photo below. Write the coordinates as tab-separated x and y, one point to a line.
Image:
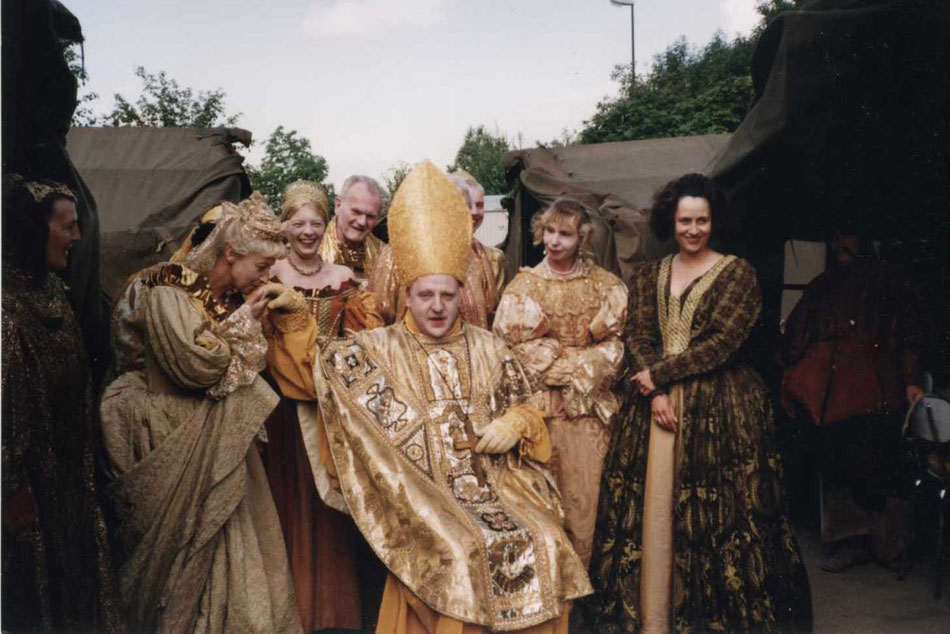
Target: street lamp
633	46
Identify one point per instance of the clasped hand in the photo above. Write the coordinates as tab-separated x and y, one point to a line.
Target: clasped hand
644	382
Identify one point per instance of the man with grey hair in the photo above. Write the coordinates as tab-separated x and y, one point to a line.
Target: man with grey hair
484	280
349	240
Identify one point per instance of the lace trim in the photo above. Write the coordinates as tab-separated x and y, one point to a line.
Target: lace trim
248	348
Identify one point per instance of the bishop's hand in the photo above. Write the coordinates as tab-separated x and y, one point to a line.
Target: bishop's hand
498	437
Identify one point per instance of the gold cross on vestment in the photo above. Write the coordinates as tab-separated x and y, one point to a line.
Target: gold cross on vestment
468	442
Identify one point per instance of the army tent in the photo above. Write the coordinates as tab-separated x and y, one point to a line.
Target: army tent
151	185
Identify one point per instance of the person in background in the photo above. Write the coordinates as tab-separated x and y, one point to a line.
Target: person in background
437	453
851	353
484	277
563	320
349	240
57	570
321	539
692	533
201	539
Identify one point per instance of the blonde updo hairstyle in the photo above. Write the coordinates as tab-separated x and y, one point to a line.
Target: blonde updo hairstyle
300	193
249	228
564	211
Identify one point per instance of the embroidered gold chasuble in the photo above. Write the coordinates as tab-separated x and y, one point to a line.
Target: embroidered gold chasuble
362	260
477	538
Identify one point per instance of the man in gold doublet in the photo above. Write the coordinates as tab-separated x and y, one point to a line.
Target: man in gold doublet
437	454
485	274
349	239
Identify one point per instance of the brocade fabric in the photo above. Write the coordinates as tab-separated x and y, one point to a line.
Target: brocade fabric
478	538
201	539
57	570
566	331
362	260
736	565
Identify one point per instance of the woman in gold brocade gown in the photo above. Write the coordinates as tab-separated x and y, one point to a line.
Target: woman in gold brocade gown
691	532
322	541
200	534
563	320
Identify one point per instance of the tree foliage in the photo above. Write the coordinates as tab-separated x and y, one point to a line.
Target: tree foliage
394	176
482	155
688	90
163	103
83	115
287	157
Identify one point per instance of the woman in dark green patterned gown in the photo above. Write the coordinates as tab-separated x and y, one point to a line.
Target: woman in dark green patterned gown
691	533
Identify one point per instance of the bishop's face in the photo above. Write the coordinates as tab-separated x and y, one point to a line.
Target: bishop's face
434	302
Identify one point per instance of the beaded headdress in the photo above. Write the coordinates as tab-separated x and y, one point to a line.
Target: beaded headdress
430	226
242	227
300	193
40	191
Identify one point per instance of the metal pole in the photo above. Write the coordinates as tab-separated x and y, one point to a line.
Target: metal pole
633	46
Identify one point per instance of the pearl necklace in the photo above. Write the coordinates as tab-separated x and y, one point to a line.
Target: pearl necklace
303	271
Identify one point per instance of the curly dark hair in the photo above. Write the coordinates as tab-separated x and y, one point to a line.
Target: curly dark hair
695	185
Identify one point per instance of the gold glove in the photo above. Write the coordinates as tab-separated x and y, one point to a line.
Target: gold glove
289	311
500	435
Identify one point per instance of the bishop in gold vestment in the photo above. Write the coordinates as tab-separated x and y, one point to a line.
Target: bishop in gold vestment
473	540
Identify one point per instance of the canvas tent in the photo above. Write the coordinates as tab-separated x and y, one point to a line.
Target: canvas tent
151	186
849	127
615	180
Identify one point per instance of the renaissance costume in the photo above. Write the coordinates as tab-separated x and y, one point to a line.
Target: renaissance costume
851	347
481	289
362	258
322	541
57	571
691	532
203	547
473	542
565	330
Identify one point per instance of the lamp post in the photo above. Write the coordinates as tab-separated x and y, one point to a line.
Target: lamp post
633	45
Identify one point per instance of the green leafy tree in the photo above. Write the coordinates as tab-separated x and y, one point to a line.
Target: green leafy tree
394	176
482	155
287	157
688	90
163	103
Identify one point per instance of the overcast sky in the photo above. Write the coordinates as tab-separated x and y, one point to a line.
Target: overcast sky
374	82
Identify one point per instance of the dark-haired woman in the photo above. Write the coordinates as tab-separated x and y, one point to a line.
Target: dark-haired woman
691	532
56	567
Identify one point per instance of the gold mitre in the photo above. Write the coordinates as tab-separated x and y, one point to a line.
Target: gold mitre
430	226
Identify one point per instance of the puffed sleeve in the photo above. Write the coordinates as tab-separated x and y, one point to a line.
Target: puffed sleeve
642	334
737	303
522	324
181	339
